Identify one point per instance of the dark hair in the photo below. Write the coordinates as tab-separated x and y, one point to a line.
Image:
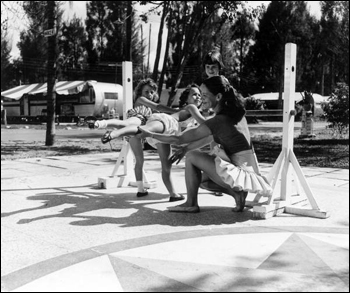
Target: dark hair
141	84
184	95
232	103
213	57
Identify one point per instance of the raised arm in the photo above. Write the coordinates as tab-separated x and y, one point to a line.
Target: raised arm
156	106
194	111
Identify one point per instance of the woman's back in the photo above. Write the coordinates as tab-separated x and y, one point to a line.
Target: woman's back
232	137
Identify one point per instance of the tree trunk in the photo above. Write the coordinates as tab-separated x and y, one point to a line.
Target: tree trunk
192	32
332	72
179	75
149	47
143	65
241	62
161	78
322	79
159	44
128	51
190	25
51	94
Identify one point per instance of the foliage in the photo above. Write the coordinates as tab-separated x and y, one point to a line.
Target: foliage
334	44
241	35
189	21
221	30
251	103
336	109
106	43
283	22
72	58
33	43
343	63
5	54
96	28
253	52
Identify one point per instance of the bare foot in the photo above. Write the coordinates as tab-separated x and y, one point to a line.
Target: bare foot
240	197
176	197
185	205
182	209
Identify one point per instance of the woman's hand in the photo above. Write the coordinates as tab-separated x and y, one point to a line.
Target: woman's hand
179	153
143	133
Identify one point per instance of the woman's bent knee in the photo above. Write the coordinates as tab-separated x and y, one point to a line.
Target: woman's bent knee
192	156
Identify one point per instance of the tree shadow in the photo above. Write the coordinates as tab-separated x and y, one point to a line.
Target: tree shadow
58	150
84	135
127	210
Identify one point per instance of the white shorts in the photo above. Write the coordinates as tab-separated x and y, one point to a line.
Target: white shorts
171	126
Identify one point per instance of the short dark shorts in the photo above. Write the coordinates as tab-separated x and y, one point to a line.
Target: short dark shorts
142	112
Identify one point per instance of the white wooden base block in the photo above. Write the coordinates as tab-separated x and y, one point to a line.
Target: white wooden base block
307	212
109	182
268	211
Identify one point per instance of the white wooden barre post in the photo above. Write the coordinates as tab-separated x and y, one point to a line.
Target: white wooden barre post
125	155
127	105
127	88
290	60
287	162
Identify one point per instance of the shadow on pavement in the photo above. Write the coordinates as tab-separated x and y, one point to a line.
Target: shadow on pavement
127	210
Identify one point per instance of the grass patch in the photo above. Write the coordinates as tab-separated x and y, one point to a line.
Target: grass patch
324	150
325	153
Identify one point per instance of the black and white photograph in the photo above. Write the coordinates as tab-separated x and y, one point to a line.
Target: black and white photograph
174	146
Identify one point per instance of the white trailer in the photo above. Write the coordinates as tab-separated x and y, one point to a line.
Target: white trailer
73	98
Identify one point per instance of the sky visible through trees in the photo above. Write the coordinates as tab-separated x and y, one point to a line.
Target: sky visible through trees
79	9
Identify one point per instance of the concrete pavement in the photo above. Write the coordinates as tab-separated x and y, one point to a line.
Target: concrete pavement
61	233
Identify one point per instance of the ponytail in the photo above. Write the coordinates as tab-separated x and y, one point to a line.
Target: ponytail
232	103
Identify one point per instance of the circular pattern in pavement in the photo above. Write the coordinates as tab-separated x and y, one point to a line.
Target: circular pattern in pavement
262	259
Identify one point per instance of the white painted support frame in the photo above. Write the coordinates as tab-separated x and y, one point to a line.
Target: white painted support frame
286	165
125	155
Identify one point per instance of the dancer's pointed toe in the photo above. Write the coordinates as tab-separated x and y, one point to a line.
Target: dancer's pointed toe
106	137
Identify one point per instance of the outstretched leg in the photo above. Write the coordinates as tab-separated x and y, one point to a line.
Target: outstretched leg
117	123
132	129
125	131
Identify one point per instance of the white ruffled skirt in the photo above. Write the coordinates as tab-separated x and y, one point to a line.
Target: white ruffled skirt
241	171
